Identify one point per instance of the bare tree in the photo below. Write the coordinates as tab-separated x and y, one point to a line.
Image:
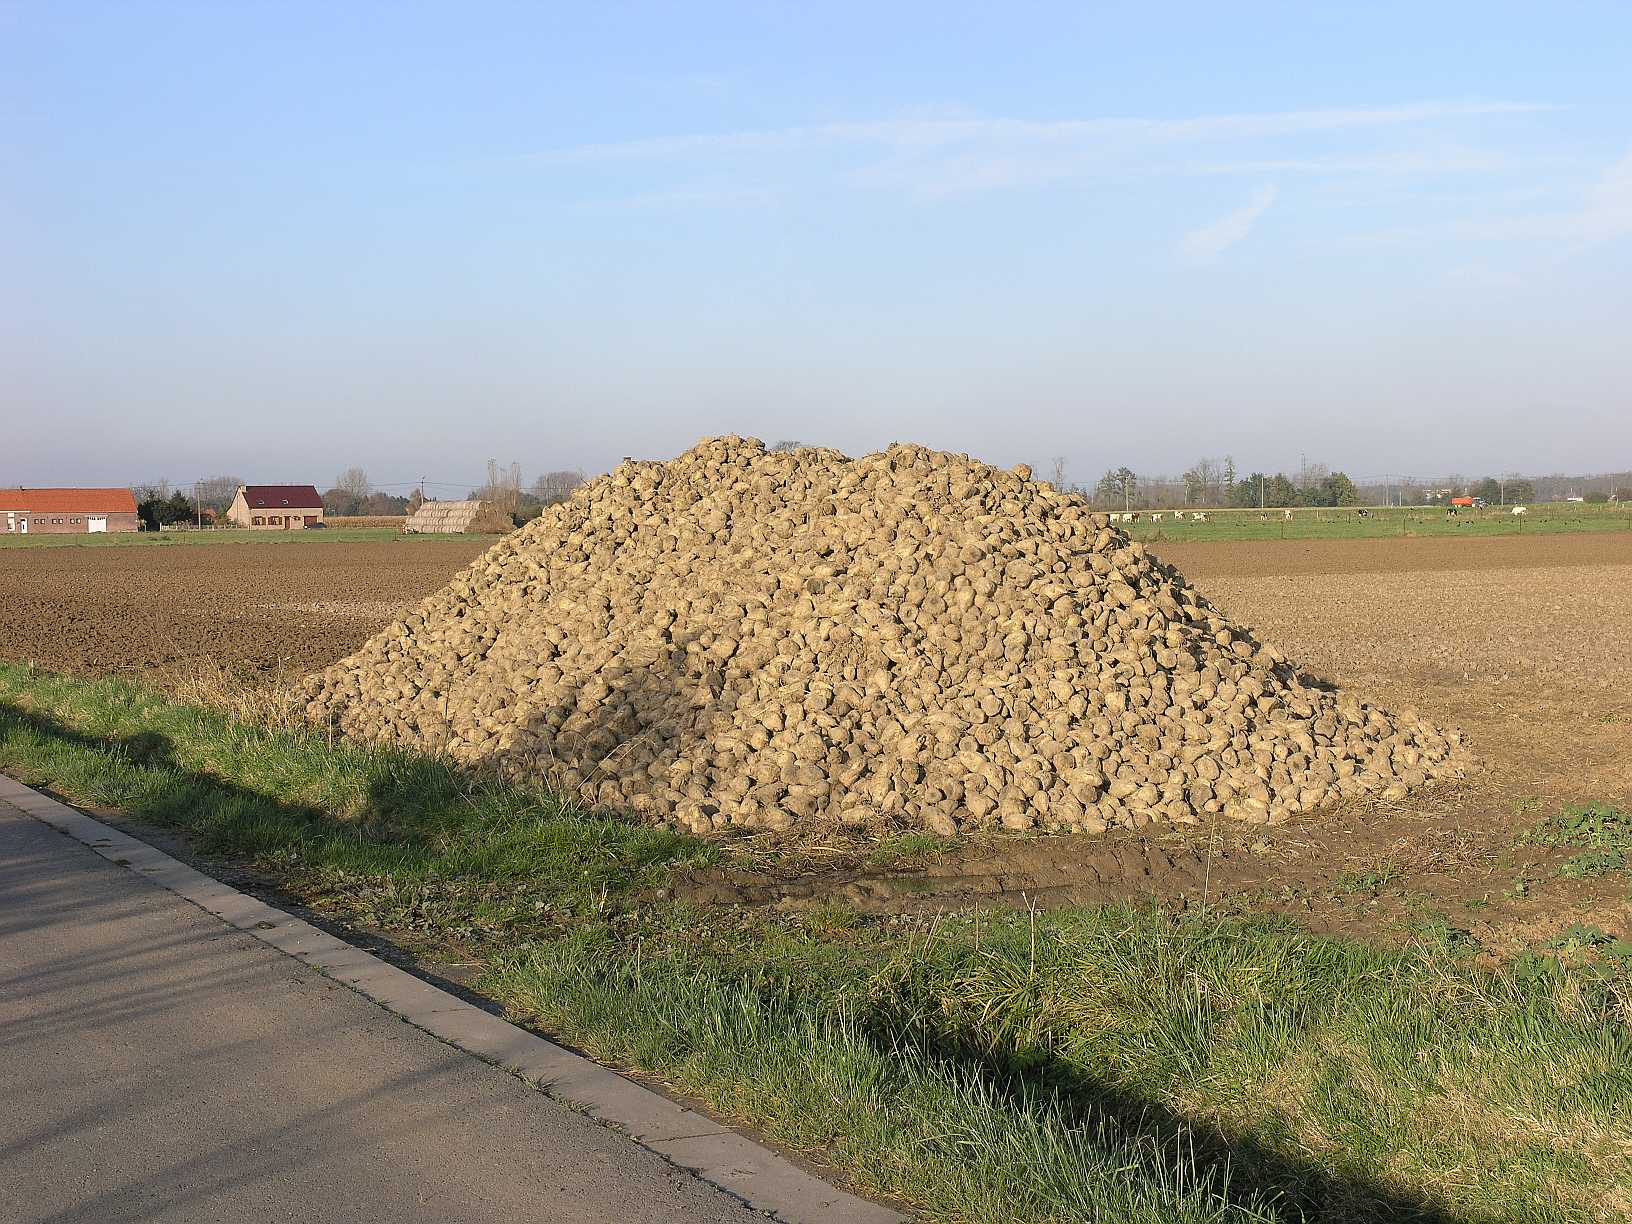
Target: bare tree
503	487
553	487
217	492
354	483
787	444
1056	471
1200	480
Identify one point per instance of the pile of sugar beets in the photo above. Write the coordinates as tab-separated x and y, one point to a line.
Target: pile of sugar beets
776	640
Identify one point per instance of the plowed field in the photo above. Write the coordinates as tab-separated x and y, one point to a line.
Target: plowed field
260	610
1525	642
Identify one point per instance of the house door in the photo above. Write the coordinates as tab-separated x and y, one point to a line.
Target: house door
23	526
97	522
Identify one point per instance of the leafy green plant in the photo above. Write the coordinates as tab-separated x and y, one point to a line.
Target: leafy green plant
1601	831
1591	863
1372	881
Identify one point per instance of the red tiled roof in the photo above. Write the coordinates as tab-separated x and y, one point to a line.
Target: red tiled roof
275	497
69	501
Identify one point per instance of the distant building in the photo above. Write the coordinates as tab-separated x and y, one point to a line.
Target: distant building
276	507
67	511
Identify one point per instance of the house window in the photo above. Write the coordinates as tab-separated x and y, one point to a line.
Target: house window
274	521
257	521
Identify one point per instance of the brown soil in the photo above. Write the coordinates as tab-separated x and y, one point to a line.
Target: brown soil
1523	642
258	610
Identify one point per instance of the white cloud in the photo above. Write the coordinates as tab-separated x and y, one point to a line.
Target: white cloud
1604	214
1206	243
932	133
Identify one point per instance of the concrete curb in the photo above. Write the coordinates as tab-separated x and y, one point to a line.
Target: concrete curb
689	1140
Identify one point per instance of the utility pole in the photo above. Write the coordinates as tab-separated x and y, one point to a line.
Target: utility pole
1260	490
198	505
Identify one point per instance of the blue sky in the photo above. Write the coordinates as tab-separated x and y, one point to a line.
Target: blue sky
278	240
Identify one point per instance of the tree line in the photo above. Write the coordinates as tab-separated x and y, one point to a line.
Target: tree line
1216	483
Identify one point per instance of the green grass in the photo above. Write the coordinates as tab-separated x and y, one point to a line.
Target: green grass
194	539
1090	1064
1381	523
1313	524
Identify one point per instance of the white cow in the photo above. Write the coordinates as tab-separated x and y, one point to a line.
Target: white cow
1157	517
1199	516
1521	510
1286	514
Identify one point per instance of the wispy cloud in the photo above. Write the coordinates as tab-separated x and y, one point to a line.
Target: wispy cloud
926	134
1604	213
1206	243
939	154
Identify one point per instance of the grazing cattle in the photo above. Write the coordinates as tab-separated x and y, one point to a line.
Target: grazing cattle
1363	513
1287	515
1453	511
1521	510
1157	517
1200	516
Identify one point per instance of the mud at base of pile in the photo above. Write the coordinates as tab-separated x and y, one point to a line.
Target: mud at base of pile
769	639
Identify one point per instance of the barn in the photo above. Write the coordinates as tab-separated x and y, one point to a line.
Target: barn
276	507
67	511
457	518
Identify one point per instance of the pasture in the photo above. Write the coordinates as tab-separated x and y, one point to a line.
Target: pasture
1377	522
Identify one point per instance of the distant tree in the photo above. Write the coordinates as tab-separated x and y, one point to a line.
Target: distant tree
1117	488
1340	490
1229	475
787	444
151	490
554	487
338	503
1200	480
1056	472
158	512
355	482
1195	486
1622	494
1245	492
1489	488
416	499
503	487
383	504
1280	491
1517	491
217	492
1597	497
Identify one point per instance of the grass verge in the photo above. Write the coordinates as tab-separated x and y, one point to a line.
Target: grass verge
1083	1065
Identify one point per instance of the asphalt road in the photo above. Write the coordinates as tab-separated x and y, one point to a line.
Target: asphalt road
157	1065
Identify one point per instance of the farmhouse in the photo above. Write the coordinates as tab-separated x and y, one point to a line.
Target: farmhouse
67	511
276	507
457	518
